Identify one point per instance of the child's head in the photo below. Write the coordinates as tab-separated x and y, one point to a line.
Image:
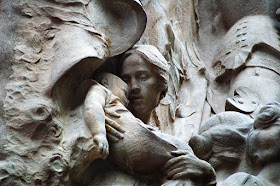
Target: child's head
115	84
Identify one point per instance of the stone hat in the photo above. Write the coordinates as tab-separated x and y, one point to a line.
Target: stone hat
126	23
101	29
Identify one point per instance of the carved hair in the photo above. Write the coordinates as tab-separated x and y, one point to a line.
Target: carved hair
152	55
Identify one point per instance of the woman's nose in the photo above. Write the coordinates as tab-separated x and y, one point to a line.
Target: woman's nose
135	88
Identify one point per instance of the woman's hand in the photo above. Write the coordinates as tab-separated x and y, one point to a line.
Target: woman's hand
114	130
186	166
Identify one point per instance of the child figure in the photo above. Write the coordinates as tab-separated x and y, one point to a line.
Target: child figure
142	150
113	91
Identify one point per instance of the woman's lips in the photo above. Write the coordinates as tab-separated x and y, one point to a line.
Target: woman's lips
135	98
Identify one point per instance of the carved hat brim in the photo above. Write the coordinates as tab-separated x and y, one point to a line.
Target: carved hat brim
107	28
122	21
126	25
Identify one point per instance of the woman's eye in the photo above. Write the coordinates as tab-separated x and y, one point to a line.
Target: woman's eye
125	80
143	76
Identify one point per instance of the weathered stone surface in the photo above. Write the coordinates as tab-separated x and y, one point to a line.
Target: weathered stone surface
212	80
42	41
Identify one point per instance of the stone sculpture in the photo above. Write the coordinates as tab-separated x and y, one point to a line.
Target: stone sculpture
243	146
146	72
146	151
251	57
240	50
43	44
242	62
223	70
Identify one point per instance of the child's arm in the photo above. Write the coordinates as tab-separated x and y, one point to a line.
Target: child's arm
94	118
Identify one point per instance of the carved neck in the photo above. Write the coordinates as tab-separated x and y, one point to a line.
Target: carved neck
144	117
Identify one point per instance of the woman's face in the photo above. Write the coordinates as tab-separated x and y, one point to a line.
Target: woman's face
144	90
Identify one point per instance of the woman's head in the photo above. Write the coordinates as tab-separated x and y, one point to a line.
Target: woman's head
153	56
145	71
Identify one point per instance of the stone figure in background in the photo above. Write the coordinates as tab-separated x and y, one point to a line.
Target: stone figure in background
222	142
242	43
248	147
262	150
240	49
146	72
257	84
249	61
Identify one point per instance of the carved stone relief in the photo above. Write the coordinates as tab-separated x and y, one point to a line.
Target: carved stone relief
130	92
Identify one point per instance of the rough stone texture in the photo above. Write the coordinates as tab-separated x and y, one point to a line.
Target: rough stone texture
223	61
172	27
41	41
